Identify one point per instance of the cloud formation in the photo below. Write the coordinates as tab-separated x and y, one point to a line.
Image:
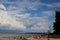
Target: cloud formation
6	19
32	15
34	24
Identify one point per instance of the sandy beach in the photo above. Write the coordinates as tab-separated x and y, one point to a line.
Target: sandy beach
28	37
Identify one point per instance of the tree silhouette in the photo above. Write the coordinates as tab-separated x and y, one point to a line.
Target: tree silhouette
57	23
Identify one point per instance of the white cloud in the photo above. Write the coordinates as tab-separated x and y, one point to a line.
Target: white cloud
29	4
24	4
31	23
12	8
22	15
56	4
7	19
41	24
49	13
36	24
52	5
2	7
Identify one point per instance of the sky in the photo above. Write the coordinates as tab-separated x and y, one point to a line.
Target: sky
28	15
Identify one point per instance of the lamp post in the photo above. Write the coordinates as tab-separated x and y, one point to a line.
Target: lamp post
49	32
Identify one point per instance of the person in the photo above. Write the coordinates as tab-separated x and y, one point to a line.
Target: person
24	38
19	37
37	38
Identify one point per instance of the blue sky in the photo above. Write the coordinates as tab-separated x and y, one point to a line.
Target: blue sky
35	15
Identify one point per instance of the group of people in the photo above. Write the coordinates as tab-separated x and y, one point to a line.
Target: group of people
26	38
21	38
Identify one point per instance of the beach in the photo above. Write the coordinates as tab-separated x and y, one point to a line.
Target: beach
27	36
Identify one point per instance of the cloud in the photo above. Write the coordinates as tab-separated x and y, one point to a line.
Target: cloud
17	19
23	4
52	5
8	20
56	4
26	15
2	7
41	24
31	3
49	13
34	24
12	8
